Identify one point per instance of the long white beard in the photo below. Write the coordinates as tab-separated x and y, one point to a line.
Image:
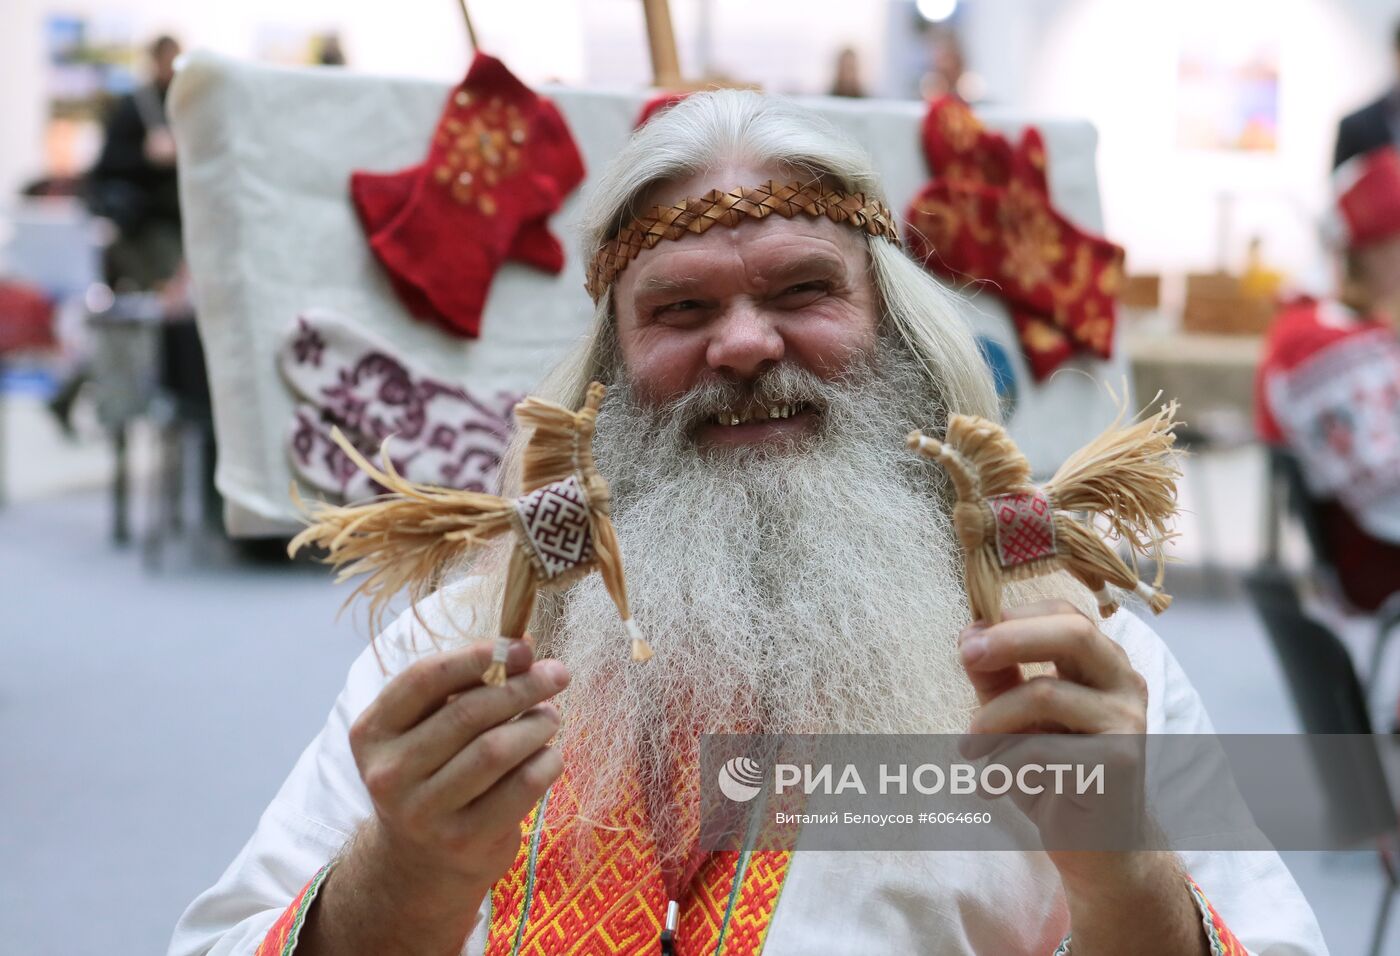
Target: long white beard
814	588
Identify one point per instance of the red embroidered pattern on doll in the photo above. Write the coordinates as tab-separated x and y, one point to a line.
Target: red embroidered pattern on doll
1025	528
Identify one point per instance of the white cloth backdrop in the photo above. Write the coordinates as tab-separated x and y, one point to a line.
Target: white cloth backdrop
265	159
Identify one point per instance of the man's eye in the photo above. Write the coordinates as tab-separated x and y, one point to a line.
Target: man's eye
805	289
685	305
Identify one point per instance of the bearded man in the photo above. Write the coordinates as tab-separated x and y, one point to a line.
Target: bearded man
795	571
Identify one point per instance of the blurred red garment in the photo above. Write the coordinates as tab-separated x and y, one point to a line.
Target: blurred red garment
501	162
26	318
1328	391
1368	197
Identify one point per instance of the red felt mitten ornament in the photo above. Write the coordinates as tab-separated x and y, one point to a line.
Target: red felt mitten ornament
501	162
987	215
379	197
659	103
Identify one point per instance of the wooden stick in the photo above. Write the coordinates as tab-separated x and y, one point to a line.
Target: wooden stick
665	61
471	30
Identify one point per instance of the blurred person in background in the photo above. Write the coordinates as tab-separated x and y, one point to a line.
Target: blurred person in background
134	182
134	185
1375	124
1328	389
949	65
330	52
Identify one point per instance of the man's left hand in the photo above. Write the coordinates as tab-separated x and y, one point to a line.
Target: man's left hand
1094	689
1118	902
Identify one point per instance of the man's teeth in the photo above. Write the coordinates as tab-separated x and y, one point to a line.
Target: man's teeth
753	412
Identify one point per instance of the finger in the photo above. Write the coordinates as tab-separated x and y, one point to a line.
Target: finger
1015	750
1078	649
509	801
435	741
1049	705
987	682
479	765
1045	608
421	689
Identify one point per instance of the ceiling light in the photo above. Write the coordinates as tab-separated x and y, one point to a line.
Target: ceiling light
936	11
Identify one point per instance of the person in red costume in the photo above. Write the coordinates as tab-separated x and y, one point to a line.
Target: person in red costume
1328	389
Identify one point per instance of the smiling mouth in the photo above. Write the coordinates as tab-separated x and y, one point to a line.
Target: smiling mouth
758	413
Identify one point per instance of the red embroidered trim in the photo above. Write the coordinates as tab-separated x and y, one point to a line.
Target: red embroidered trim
542	907
281	939
1222	941
1025	528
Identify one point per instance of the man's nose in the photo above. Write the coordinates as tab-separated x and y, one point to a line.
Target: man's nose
744	343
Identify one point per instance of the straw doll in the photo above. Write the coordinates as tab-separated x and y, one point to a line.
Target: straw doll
404	540
1012	529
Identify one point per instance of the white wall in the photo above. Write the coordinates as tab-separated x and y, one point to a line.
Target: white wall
1115	63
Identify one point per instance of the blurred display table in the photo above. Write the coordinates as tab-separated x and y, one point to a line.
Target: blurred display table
1211	375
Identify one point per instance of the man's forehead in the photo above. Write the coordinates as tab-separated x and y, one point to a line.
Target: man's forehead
769	249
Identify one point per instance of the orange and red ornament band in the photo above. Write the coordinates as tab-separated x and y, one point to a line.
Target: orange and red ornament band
542	907
281	939
1221	941
729	911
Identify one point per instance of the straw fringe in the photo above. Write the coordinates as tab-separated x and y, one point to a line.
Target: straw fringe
992	455
402	540
1128	475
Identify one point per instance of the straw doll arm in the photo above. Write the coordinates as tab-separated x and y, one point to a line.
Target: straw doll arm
404	540
1095	564
609	557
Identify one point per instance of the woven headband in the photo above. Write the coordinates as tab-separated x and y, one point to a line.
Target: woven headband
715	208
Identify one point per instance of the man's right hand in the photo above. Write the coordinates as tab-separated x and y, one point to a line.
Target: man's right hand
453	767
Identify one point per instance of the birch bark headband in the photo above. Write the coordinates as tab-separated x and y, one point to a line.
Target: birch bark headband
716	208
